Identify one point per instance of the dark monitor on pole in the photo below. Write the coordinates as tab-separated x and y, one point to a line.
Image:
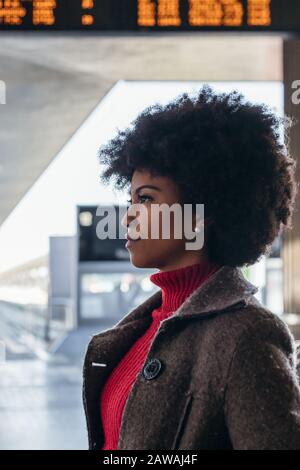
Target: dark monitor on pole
91	224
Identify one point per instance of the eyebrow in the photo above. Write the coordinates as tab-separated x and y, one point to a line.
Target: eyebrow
151	186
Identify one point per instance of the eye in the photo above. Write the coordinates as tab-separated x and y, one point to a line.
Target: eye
144	196
141	198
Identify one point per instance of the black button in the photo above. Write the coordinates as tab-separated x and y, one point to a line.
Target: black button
152	369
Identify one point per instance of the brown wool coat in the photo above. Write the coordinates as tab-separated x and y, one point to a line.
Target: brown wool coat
228	377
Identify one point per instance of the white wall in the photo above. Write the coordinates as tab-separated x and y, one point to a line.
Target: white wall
73	176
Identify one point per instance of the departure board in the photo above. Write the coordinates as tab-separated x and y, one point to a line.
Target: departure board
151	15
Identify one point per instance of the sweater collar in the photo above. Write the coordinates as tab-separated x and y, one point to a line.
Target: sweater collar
177	285
223	290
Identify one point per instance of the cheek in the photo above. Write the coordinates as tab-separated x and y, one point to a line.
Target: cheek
155	225
164	227
143	223
160	247
151	253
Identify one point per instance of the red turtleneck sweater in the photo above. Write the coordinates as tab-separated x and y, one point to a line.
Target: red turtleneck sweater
176	286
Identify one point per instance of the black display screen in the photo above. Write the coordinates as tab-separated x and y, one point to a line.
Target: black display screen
151	15
95	248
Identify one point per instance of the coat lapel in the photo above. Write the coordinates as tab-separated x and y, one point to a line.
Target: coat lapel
225	288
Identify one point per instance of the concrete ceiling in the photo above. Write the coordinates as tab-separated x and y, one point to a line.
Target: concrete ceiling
55	80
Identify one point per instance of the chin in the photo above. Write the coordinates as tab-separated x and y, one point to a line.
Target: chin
142	262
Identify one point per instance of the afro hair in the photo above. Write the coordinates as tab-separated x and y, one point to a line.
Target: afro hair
223	151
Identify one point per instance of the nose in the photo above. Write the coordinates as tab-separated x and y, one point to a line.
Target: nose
132	216
124	220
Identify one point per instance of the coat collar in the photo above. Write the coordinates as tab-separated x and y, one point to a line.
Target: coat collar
226	287
222	290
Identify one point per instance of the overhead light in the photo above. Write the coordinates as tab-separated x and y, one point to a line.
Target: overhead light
86	218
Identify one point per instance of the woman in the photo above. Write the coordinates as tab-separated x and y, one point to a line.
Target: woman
201	364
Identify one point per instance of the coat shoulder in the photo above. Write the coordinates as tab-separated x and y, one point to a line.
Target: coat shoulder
256	321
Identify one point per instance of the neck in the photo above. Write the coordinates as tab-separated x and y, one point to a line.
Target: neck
177	284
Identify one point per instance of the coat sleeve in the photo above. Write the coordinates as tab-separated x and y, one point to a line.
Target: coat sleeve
262	394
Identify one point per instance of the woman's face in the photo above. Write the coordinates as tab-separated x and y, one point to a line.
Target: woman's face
164	252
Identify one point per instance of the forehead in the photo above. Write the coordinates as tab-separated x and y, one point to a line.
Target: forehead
163	186
143	177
